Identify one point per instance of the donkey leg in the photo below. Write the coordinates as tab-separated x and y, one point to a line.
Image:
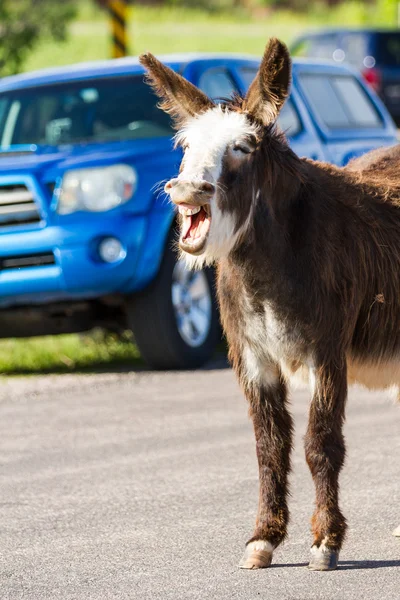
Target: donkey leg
325	453
273	432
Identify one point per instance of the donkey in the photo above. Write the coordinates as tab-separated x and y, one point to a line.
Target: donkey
308	279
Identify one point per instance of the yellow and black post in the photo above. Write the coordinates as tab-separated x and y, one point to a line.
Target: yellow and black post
118	10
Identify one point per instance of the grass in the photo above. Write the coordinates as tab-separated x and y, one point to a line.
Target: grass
162	30
67	353
171	29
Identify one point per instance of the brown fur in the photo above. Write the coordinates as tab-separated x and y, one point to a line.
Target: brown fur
314	282
270	90
181	99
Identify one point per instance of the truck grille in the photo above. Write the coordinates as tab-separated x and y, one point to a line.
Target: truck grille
17	206
41	259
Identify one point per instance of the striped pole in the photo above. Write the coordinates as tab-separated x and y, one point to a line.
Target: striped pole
118	12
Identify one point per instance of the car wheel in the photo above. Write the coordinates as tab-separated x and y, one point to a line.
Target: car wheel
175	320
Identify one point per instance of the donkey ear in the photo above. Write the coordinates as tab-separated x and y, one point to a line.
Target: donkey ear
270	87
180	98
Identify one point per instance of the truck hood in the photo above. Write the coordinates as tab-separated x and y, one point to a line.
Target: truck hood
54	160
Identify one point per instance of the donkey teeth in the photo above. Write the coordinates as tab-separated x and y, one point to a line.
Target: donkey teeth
189	211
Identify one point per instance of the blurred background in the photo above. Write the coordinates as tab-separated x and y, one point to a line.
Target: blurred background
35	34
43	33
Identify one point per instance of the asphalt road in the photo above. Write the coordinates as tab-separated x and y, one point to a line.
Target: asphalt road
144	485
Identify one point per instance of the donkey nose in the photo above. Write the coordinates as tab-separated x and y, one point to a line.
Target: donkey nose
196	186
184	191
170	184
206	187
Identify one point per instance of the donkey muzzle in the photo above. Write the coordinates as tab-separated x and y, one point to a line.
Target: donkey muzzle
195	193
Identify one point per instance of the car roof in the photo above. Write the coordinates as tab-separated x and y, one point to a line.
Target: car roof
99	68
131	65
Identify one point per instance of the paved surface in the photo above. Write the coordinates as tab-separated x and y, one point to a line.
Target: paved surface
143	485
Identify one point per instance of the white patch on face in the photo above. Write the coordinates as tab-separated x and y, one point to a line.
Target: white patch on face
207	138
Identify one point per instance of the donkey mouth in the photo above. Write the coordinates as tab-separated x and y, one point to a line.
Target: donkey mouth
195	227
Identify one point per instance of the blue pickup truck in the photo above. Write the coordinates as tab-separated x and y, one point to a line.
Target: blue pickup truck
86	232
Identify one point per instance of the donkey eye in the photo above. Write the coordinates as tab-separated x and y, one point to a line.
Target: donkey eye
241	148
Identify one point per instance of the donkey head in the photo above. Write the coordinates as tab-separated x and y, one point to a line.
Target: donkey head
215	188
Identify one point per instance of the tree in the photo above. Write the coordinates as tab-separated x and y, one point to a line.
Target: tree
24	22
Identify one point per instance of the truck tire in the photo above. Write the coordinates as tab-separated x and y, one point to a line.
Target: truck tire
175	319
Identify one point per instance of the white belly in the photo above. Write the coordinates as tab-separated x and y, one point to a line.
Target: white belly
267	342
373	376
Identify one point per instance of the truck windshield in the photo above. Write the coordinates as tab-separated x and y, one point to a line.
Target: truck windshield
97	110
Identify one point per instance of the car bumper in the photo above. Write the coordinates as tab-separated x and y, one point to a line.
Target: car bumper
77	272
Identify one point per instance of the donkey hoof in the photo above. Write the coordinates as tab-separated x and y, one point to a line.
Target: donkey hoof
396	532
323	559
258	555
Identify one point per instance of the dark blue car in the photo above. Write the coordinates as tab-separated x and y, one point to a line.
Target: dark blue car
86	232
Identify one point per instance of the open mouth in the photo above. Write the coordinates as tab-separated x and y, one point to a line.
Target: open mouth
195	227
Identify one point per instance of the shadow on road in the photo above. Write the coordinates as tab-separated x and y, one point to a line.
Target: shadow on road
276	565
368	564
349	564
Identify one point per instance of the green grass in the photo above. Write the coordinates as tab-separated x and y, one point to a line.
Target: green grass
171	29
67	353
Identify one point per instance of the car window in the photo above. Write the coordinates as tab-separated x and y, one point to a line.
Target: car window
247	74
340	101
217	83
357	103
323	47
3	108
116	108
289	120
355	48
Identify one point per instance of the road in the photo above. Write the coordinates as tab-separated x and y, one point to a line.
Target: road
144	486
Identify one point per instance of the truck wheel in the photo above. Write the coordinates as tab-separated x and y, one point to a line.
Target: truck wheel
175	319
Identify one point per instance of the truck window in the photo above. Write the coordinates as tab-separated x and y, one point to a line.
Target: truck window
289	120
324	46
217	83
321	46
355	47
248	74
340	101
97	110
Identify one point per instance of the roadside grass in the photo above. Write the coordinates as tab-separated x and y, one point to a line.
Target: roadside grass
68	353
164	29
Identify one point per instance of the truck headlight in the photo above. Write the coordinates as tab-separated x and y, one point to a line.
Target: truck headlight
97	189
